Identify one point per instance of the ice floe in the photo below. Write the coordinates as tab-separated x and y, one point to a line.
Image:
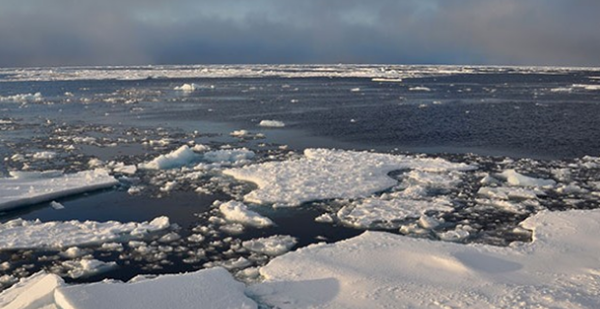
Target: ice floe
210	288
23	98
326	174
188	87
364	213
26	188
272	246
377	270
513	178
272	123
23	234
177	158
238	212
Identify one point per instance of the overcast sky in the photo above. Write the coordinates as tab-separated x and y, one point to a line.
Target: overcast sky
121	32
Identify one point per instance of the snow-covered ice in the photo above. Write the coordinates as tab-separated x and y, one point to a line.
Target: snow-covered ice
273	245
326	174
188	87
239	156
86	267
22	234
182	156
26	188
209	288
379	270
272	123
23	98
514	178
238	212
364	213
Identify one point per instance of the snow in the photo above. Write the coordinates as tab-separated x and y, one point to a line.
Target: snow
559	269
327	174
209	288
271	123
26	188
22	234
238	212
513	178
177	158
272	246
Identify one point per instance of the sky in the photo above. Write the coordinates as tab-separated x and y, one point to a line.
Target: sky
139	32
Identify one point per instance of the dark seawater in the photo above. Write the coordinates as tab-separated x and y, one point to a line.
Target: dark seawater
481	118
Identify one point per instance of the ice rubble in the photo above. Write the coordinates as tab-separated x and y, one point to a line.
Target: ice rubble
273	246
327	174
179	157
22	234
209	288
238	212
26	188
378	270
23	98
185	155
272	123
188	87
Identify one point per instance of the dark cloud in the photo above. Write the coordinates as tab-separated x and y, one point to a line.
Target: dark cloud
111	32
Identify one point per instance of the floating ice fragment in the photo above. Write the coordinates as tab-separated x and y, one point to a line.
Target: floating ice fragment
272	246
238	212
188	87
180	157
86	267
234	156
26	188
515	179
381	270
272	123
326	174
21	234
419	88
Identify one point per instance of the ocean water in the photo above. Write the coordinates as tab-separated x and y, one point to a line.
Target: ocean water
537	121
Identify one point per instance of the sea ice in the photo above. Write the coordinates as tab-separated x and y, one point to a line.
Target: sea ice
238	212
23	98
326	174
188	87
381	270
208	288
364	213
513	178
177	158
235	156
272	246
22	234
272	123
86	267
26	188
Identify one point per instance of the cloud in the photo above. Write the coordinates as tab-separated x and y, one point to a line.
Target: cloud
111	32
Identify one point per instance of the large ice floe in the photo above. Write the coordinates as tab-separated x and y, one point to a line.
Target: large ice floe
210	288
326	174
559	269
23	234
26	188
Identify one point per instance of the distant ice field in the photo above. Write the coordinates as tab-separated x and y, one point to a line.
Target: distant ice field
250	162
